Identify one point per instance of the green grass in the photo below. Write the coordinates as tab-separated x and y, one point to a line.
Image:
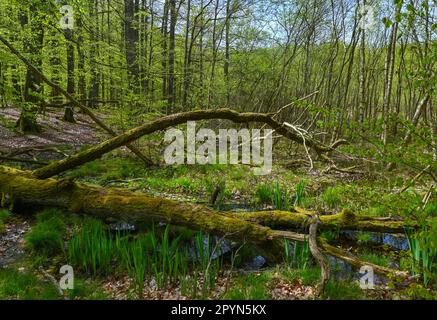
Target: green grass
423	252
299	195
379	259
297	256
4	215
281	197
332	196
273	194
309	276
158	255
15	285
91	249
252	286
263	194
343	290
47	235
364	238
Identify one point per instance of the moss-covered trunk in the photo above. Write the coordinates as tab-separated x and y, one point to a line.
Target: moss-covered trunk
20	188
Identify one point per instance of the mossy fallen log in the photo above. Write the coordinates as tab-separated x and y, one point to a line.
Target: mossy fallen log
355	262
163	123
345	220
21	188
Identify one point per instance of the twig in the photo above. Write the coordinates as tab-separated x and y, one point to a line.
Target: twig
301	132
52	279
414	179
22	160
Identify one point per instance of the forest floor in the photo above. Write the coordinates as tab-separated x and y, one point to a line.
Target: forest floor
369	192
54	130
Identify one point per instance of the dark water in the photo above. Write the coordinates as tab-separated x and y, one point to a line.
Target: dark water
396	241
339	268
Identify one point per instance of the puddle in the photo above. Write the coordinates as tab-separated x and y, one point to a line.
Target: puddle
11	241
396	241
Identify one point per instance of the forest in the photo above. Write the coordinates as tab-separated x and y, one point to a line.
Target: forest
218	150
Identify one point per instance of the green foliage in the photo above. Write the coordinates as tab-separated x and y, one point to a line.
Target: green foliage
343	290
4	215
423	250
249	287
419	292
309	276
91	249
263	194
29	286
375	258
25	286
329	235
333	196
273	194
363	238
146	256
47	235
280	197
300	189
298	257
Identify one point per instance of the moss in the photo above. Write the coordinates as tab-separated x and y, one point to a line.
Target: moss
4	215
47	236
249	287
343	290
25	286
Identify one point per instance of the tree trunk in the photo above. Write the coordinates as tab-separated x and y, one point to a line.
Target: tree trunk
131	41
362	80
94	87
164	53
69	114
171	58
389	66
187	59
227	52
32	86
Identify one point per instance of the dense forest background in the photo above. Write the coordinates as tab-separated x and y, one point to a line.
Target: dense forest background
363	70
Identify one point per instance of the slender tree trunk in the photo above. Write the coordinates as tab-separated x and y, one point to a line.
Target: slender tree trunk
362	92
33	86
390	62
94	87
187	59
171	57
164	32
80	60
69	114
214	54
131	42
227	53
150	80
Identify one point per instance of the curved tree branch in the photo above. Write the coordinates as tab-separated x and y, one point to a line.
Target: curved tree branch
170	121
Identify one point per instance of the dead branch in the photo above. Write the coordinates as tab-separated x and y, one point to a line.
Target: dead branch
163	123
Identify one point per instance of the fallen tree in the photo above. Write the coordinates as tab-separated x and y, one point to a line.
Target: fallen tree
22	188
163	123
